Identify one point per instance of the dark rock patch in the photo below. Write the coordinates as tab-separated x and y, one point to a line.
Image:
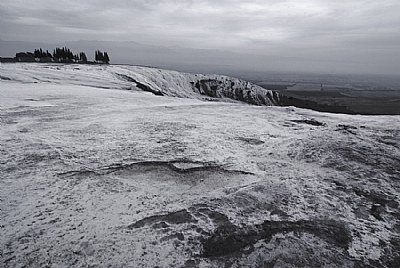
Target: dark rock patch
346	128
160	225
191	264
279	212
219	219
126	78
376	211
82	172
174	166
141	86
251	141
4	78
177	217
227	240
312	122
177	236
377	198
339	185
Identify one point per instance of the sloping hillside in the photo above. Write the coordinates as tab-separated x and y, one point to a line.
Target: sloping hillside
157	81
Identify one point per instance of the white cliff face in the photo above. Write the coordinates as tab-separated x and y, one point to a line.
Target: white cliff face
157	81
98	177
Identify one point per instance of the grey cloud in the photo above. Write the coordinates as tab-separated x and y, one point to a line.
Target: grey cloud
305	29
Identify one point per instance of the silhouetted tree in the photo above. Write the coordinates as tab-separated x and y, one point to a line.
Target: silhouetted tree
63	54
106	58
82	57
101	57
98	56
38	53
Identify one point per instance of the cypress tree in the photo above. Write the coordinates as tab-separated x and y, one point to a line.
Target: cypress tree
106	58
82	57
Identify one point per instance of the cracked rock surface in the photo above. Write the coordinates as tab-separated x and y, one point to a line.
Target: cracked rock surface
94	177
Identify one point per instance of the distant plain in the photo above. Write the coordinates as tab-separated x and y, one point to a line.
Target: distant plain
375	95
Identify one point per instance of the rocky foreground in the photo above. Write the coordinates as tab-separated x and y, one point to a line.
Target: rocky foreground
95	177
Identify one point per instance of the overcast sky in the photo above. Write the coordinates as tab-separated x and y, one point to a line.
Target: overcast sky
359	32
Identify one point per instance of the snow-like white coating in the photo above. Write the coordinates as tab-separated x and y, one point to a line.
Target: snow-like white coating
164	82
93	177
